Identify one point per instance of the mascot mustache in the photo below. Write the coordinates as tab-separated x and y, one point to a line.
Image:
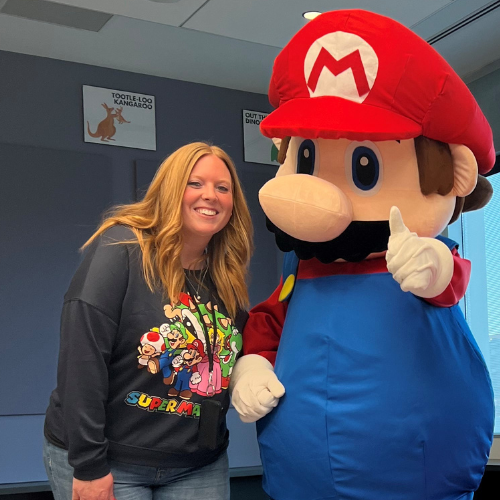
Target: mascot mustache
360	239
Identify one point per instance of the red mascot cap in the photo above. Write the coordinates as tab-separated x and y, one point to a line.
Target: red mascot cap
356	75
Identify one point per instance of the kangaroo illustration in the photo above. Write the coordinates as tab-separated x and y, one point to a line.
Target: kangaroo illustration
106	128
119	116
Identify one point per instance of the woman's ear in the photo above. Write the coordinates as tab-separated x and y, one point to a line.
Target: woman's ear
464	170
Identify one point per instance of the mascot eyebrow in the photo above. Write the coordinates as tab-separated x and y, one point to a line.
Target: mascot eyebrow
431	153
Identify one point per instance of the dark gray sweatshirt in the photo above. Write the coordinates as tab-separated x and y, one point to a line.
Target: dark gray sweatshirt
134	372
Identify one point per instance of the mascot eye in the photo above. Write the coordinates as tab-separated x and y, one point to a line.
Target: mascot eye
306	157
365	168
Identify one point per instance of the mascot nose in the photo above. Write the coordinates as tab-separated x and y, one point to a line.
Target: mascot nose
306	207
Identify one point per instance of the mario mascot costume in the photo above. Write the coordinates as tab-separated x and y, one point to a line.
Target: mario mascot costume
387	394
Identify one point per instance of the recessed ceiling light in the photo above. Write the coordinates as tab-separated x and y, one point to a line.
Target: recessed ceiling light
310	15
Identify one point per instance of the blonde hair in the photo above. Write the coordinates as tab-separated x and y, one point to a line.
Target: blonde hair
156	222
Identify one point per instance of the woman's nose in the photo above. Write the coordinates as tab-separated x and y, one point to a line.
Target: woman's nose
209	193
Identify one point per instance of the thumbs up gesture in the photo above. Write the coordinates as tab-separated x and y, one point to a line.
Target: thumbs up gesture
423	266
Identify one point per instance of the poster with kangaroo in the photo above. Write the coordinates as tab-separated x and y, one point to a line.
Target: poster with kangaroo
119	118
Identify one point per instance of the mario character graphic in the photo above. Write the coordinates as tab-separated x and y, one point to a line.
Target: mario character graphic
387	394
152	345
184	365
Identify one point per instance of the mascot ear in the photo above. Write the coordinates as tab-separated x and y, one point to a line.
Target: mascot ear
464	170
277	142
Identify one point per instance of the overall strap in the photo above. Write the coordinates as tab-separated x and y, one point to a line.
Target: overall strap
289	275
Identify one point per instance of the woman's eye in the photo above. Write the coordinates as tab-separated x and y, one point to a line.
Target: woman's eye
365	168
306	157
194	184
223	189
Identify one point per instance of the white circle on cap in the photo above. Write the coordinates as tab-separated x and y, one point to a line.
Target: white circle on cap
340	64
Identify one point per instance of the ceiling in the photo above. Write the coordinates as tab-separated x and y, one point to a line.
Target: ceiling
228	43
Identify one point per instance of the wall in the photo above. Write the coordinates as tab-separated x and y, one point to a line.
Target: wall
486	90
54	187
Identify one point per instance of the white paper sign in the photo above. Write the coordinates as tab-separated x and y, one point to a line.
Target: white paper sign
257	148
119	118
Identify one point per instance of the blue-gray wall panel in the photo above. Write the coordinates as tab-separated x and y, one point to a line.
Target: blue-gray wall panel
243	449
51	202
21	449
264	266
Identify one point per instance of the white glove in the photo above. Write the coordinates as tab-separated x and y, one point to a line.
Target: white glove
164	329
195	378
254	387
177	361
422	266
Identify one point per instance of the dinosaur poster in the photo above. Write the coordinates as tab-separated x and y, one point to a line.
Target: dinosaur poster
119	118
257	148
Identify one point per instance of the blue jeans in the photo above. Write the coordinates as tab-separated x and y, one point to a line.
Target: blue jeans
138	482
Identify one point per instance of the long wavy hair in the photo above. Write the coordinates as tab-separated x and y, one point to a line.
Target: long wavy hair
156	221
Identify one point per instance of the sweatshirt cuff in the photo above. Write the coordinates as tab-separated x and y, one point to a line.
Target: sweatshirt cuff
96	471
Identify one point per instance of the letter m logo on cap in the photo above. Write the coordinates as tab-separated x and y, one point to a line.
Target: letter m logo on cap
342	65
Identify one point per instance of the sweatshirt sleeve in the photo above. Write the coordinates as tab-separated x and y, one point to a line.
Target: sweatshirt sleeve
86	341
262	332
89	327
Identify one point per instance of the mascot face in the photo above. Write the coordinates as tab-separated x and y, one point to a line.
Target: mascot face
328	191
358	94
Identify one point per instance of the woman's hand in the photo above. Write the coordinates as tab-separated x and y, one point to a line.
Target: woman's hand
98	489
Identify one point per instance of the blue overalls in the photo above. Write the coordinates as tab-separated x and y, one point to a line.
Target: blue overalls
387	397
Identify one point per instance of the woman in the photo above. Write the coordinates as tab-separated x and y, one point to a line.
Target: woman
161	279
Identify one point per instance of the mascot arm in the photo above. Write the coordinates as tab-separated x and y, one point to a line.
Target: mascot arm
254	387
455	291
262	331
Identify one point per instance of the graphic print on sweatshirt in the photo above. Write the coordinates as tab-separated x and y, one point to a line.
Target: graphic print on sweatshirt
177	352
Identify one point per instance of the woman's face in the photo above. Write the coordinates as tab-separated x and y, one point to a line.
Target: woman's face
207	203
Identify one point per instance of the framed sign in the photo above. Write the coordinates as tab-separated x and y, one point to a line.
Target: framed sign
119	118
257	148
